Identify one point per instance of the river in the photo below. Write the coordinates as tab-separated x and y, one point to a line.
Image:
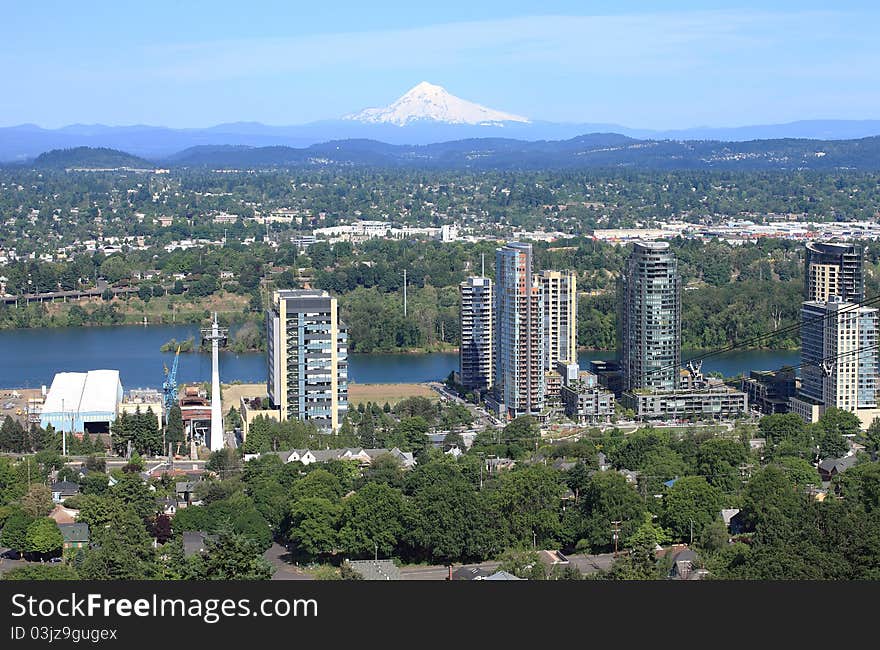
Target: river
30	358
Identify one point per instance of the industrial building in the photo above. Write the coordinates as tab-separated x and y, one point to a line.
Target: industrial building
141	400
83	402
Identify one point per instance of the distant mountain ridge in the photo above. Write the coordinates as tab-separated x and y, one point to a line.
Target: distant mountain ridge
590	151
89	158
426	114
597	150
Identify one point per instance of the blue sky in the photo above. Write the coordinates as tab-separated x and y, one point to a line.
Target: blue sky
672	64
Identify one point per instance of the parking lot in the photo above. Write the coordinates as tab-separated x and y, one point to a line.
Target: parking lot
14	402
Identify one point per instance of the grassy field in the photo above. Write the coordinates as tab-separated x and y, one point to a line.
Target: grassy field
357	393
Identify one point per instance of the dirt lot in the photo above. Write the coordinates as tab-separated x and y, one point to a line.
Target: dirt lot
232	394
391	393
357	393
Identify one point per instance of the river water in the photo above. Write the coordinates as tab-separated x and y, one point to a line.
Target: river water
30	358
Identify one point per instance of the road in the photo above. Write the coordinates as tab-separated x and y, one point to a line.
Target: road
481	418
278	557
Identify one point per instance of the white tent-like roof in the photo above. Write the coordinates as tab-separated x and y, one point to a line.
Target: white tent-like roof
95	391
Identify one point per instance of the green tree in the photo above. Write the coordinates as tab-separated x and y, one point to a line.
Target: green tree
799	471
15	530
37	501
450	521
174	427
609	497
43	537
230	557
374	519
770	499
42	572
313	525
834	424
689	506
640	562
122	550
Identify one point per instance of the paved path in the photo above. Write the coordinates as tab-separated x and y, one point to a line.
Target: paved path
278	557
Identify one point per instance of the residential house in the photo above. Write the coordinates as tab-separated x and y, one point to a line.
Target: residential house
551	559
468	573
194	541
63	515
685	566
831	467
732	518
184	490
63	490
76	536
502	575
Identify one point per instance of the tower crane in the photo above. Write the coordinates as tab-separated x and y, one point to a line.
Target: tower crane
169	385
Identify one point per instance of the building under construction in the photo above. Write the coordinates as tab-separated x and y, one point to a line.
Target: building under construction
195	410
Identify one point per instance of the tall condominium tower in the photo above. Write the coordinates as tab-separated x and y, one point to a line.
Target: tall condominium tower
650	318
475	351
833	270
307	357
839	354
519	336
559	292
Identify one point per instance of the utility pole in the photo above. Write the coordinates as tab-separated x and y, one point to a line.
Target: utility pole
692	532
63	437
482	265
404	293
615	533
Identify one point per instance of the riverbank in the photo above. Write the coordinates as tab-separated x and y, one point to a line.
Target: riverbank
97	312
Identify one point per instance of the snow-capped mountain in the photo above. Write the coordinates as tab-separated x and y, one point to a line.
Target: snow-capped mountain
430	103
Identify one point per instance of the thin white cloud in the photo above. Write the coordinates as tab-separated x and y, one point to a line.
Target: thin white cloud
628	45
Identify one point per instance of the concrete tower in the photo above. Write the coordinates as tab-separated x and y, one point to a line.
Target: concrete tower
215	335
519	332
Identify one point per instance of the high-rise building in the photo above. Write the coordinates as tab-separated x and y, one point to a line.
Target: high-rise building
839	354
559	293
833	269
307	357
650	318
519	336
475	351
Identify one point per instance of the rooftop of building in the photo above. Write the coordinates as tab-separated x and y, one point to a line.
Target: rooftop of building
301	293
92	391
652	245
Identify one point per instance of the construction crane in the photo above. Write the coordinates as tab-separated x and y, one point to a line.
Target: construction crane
169	385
